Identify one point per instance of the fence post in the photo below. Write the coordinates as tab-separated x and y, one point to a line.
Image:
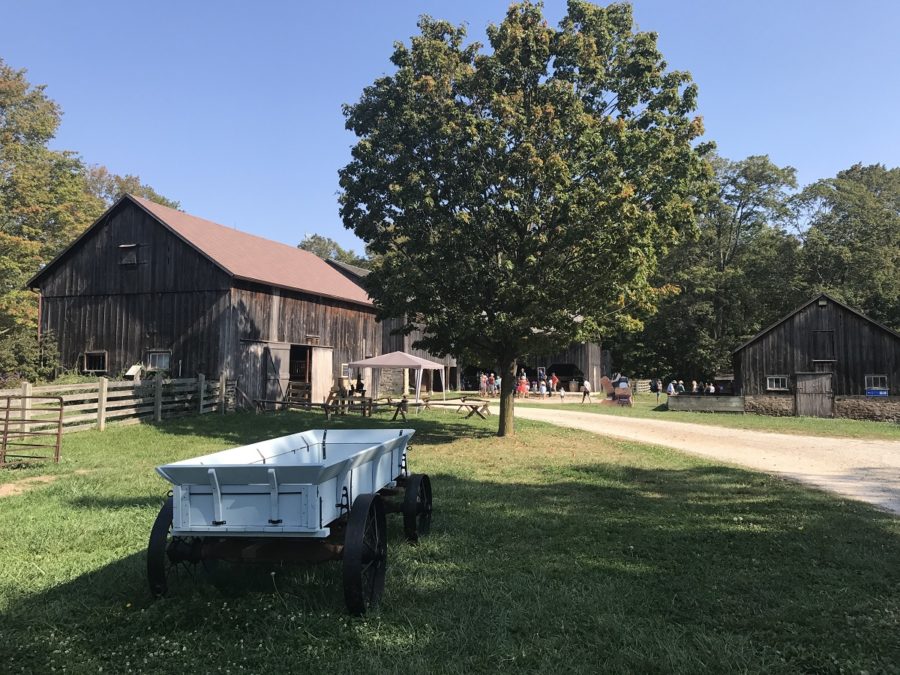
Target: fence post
201	386
26	403
101	404
157	401
222	383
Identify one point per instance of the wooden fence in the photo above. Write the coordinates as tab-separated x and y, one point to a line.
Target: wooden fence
94	405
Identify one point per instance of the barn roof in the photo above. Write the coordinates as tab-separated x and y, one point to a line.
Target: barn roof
246	256
358	272
807	304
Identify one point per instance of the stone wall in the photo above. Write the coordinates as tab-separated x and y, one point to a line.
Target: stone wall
778	406
885	409
391	382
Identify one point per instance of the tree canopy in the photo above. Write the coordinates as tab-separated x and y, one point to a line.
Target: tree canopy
47	198
329	249
520	198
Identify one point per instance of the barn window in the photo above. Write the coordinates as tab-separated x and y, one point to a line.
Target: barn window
128	255
94	362
876	382
158	359
823	345
776	382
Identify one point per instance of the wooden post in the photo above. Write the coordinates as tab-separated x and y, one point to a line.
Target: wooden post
26	404
201	387
101	404
222	401
157	403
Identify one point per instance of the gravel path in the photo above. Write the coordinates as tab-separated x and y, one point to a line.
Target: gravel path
868	470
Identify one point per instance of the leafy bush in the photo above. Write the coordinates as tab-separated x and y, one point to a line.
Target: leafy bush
24	356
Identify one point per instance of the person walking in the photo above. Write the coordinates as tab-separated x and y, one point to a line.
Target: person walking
586	391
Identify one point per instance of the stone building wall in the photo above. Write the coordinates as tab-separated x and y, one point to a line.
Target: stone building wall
391	382
777	406
885	409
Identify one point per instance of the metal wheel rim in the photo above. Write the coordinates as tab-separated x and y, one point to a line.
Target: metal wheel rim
166	562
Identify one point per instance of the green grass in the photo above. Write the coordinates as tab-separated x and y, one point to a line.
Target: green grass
645	406
554	551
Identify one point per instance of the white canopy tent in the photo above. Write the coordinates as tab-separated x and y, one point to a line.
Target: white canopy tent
404	360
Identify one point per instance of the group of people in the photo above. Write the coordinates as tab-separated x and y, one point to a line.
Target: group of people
544	386
676	387
489	385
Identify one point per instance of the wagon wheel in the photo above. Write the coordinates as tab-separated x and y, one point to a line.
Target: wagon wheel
365	553
417	507
169	557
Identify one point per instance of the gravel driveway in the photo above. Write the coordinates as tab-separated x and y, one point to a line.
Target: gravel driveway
868	470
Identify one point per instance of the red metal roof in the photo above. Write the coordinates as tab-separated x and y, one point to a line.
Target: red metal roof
253	258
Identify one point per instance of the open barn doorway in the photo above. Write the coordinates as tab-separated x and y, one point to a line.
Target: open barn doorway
300	385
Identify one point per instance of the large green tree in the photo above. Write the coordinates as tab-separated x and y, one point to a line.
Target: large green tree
519	197
850	228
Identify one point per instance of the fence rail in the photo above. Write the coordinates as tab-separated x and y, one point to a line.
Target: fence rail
93	405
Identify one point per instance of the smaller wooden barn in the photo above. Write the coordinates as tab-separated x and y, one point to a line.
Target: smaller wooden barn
824	359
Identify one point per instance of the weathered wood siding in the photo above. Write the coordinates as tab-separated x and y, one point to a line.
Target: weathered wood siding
816	338
264	315
404	343
172	299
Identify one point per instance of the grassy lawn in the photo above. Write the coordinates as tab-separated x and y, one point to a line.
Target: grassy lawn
645	406
554	551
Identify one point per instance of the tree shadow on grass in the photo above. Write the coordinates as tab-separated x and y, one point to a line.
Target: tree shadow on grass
242	428
600	567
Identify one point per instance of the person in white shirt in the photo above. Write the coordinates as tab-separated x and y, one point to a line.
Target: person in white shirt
586	391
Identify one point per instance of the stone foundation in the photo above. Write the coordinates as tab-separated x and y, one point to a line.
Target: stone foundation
777	406
885	409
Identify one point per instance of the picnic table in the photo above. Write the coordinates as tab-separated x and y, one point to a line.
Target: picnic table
475	406
402	406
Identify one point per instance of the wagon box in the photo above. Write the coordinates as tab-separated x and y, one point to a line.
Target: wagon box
322	487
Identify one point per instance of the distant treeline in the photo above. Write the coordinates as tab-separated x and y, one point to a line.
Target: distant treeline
762	248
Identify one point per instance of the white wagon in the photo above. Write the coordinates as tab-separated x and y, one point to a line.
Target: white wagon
308	497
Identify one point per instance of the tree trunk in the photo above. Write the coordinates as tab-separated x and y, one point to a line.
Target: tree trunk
507	387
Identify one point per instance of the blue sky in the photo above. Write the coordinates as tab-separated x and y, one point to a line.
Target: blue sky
234	108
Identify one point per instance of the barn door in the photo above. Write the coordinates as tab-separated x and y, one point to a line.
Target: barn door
251	375
813	395
278	370
322	373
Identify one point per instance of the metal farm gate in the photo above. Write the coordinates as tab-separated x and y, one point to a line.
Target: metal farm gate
32	428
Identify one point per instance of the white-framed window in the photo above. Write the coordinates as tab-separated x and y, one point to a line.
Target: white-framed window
345	370
94	362
776	382
159	359
876	382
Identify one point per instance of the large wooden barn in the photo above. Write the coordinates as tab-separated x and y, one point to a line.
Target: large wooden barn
824	359
150	285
